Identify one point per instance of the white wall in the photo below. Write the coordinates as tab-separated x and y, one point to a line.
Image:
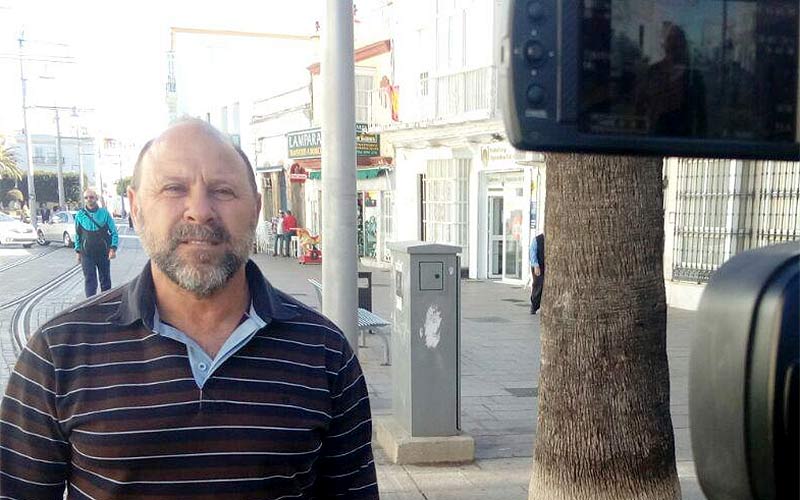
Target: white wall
409	164
422	37
670	207
477	212
684	295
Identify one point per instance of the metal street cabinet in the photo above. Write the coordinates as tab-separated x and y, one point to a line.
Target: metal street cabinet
426	338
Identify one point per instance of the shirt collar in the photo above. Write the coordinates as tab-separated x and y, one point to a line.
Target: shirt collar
138	298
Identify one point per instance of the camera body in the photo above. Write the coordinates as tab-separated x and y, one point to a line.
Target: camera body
744	377
698	78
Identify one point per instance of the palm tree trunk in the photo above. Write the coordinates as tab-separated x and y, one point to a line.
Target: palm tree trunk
604	428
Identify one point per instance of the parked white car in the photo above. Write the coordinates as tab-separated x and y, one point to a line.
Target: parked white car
61	228
15	232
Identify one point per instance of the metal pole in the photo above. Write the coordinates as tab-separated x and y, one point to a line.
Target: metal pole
102	200
80	163
32	205
61	198
121	196
339	261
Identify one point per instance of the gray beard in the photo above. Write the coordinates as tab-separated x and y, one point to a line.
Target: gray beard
203	276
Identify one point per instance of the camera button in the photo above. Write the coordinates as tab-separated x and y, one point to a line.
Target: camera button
535	11
534	53
535	95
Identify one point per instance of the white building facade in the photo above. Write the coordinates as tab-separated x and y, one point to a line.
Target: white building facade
457	178
115	160
272	117
76	152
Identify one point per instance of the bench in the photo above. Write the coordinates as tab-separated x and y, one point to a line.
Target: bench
368	322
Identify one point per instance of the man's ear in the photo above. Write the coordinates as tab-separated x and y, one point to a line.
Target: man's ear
134	203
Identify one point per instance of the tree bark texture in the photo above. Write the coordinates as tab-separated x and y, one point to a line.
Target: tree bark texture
604	428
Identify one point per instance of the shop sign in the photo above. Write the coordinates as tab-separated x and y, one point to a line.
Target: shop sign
308	143
297	173
506	154
367	144
305	143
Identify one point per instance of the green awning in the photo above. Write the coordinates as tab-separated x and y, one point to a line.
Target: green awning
361	173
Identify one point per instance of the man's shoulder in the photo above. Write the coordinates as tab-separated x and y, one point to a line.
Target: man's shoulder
308	317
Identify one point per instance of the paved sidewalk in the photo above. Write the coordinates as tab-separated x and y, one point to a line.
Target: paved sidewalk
500	371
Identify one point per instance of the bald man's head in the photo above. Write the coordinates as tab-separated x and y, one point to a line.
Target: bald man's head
199	130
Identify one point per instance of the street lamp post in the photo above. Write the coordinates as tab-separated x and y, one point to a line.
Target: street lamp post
32	205
59	162
340	265
79	136
80	164
121	194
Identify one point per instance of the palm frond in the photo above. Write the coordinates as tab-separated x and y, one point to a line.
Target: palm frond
8	164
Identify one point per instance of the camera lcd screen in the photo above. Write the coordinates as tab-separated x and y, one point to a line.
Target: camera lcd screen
713	69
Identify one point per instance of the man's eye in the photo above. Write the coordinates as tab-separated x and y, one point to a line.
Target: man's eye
174	188
224	193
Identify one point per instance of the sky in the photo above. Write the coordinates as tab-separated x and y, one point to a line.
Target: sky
118	59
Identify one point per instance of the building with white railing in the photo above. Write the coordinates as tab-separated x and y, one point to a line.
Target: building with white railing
457	179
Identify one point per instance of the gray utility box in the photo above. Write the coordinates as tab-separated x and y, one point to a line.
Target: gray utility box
426	338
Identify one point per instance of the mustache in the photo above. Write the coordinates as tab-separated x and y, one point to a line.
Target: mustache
213	233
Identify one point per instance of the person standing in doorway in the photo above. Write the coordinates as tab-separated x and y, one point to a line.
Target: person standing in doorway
96	242
290	229
537	271
278	247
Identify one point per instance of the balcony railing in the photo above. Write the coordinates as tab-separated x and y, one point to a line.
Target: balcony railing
460	96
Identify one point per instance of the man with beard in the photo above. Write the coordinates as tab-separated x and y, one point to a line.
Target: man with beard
198	379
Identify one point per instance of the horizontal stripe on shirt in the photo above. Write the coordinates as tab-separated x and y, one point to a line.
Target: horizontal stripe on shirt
101	405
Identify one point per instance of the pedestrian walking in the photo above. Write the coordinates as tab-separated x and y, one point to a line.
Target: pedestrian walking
25	213
279	232
45	212
198	379
290	229
537	272
96	242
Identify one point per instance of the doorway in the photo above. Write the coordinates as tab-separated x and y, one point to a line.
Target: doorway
505	248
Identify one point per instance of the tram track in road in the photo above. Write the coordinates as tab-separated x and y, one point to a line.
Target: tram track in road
21	317
25	306
23	298
25	260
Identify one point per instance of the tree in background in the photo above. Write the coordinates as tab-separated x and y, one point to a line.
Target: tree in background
13	198
46	184
122	186
8	163
604	429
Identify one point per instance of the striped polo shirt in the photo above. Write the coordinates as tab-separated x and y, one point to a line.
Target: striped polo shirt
100	405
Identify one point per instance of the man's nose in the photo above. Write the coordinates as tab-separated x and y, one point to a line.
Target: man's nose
199	207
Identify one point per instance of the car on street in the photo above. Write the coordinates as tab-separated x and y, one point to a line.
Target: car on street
60	228
15	232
